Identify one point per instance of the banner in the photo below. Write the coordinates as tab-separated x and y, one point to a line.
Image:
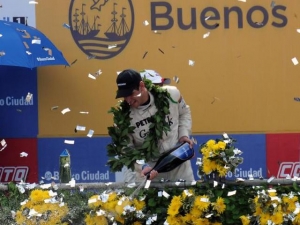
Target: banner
87	155
18	113
283	155
18	160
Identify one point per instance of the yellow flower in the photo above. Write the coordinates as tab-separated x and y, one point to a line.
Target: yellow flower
201	203
277	218
120	208
187	218
92	220
196	212
221	145
174	206
96	204
201	221
219	205
245	220
139	205
222	170
174	220
38	196
206	168
137	223
264	217
210	143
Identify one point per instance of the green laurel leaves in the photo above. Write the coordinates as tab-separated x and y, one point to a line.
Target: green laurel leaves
119	151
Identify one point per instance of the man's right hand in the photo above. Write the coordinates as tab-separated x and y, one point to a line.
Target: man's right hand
153	173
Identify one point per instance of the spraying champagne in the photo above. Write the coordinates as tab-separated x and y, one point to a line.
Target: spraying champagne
173	158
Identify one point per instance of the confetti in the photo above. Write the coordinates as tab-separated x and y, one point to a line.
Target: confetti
273	4
230	193
131	185
3	145
112	46
295	61
74	62
28	52
90	134
82	112
250	177
145	54
33	2
165	194
80	128
161	51
156	32
146	23
36	41
147	185
298	30
297	99
23	154
70	142
176	79
2	53
91	57
270	179
64	111
206	18
91	76
191	63
242	0
215	183
19	110
206	35
65	25
28	97
194	140
54	107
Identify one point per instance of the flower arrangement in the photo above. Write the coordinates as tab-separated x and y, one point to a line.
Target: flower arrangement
219	156
195	210
272	209
42	207
113	207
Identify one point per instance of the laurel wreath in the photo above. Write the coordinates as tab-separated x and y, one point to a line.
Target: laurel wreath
118	150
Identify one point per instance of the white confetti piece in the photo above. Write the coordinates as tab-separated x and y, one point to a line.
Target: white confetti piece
80	128
295	61
28	97
204	200
54	107
191	63
90	134
112	46
28	53
270	179
3	145
215	183
165	194
240	180
193	183
45	186
250	177
36	41
64	111
93	200
230	193
242	0
176	79
206	35
23	154
91	76
65	25
131	185
147	185
69	142
298	30
159	194
83	112
140	162
33	2
146	23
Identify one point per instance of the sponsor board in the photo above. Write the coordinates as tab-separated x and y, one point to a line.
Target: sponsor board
15	168
283	155
88	159
19	116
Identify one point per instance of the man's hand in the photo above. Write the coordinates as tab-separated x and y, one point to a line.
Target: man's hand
153	173
186	139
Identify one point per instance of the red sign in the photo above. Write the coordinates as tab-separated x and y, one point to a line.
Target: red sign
283	155
18	161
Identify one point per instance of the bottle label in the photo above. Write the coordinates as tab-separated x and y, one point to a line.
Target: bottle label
184	152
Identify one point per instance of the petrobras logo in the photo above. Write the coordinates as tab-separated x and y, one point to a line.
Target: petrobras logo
91	31
82	176
288	168
16	101
13	173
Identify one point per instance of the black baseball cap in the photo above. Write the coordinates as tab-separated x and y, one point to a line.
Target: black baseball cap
127	81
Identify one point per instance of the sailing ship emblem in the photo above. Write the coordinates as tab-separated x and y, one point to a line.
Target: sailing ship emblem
93	34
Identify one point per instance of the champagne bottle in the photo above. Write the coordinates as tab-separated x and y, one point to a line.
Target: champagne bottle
173	158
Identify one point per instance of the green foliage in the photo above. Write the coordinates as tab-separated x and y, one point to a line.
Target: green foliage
118	151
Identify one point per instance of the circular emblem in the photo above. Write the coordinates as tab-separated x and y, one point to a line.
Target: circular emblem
101	28
48	175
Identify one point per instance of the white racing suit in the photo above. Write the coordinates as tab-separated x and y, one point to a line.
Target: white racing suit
180	123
